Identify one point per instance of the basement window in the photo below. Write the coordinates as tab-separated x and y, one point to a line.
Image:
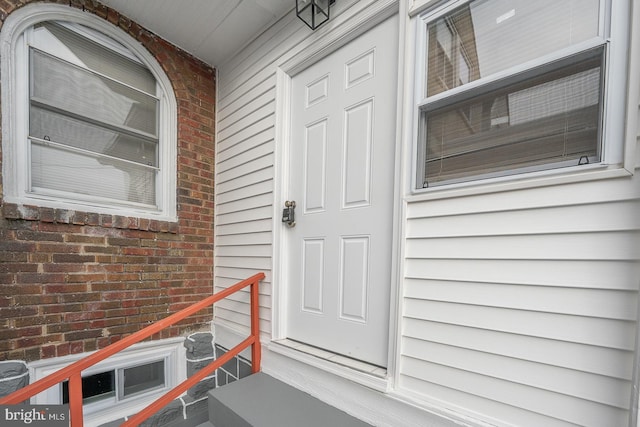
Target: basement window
513	87
120	384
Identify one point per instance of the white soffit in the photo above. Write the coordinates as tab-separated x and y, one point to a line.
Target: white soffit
211	30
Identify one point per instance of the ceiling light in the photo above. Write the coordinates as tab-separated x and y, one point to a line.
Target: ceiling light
313	12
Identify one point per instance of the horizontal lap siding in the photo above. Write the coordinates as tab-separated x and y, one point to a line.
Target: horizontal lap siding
522	306
245	169
244	194
518	307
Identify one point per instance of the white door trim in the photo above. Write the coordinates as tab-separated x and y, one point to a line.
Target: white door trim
340	33
341	30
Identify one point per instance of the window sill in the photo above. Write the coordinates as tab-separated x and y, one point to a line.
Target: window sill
13	211
587	173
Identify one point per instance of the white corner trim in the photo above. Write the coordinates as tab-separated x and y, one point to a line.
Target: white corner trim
281	176
631	162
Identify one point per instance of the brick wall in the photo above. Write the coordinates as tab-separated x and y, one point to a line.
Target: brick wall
72	281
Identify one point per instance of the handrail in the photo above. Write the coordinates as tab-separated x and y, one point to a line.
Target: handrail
73	372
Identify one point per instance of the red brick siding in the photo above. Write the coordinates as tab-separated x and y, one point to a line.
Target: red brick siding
77	281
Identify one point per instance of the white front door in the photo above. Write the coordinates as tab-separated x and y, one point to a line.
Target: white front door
341	173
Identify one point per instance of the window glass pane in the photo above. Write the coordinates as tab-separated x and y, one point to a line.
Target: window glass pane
143	378
544	120
487	36
90	177
73	47
94	387
75	133
60	85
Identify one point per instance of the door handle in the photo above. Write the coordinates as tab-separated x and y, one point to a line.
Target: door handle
289	213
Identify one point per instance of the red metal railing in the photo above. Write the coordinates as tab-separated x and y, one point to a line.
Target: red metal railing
73	372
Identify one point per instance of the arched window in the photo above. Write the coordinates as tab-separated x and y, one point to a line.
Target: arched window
90	117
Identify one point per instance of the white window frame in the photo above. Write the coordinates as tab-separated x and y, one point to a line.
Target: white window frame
99	403
109	409
617	146
13	70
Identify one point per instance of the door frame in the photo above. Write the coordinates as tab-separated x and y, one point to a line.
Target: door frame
341	30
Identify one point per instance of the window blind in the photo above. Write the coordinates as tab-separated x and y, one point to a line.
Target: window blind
546	120
93	116
529	109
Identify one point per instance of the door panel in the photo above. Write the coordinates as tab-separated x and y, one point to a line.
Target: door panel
312	276
354	278
358	142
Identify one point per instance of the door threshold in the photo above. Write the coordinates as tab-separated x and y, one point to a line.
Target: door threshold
358	371
358	365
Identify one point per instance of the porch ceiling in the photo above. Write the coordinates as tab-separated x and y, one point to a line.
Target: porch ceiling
212	30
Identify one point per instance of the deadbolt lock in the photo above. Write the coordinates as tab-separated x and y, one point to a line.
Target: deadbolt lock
289	213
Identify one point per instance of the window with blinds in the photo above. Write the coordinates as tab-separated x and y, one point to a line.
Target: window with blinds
93	119
511	87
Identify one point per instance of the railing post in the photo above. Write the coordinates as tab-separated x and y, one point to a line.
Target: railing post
75	399
256	352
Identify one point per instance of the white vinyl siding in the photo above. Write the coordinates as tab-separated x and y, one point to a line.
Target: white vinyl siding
518	307
522	306
244	191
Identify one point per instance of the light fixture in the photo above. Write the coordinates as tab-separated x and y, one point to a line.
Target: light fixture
313	12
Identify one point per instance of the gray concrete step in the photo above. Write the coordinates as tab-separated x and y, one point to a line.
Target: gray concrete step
260	400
